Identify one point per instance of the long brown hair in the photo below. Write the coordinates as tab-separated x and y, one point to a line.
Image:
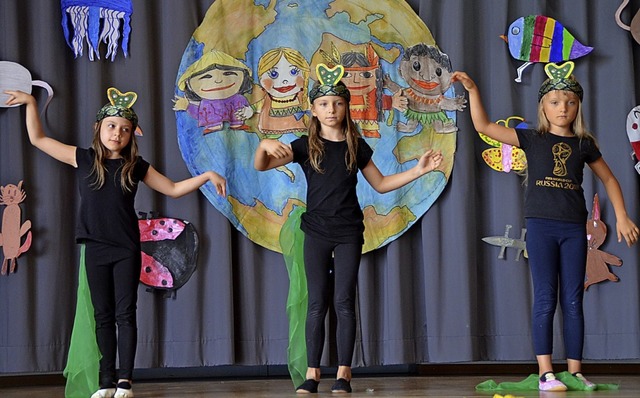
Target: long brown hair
98	169
316	147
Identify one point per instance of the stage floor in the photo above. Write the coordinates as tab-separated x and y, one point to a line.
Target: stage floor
383	386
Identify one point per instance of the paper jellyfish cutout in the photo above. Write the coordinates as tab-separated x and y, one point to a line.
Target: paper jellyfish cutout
537	38
12	227
169	252
505	241
84	16
504	157
14	76
597	260
634	28
633	132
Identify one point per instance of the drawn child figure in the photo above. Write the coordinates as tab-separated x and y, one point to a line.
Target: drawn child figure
108	174
555	210
427	71
363	78
284	76
330	157
213	87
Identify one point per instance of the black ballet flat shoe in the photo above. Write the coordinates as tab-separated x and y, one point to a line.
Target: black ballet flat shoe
341	386
309	386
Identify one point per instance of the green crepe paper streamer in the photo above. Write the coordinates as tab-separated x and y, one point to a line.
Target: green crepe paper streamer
292	244
531	384
83	362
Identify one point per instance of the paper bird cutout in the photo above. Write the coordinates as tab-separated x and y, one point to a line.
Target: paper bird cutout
537	38
633	132
505	241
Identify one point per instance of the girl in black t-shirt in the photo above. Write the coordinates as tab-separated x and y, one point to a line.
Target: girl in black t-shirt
108	176
330	157
555	210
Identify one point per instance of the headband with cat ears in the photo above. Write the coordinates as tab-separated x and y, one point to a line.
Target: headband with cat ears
120	105
329	83
560	78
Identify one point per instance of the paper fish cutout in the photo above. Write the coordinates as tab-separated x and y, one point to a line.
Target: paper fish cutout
12	227
537	38
597	260
505	241
634	28
633	132
14	76
504	157
84	17
169	252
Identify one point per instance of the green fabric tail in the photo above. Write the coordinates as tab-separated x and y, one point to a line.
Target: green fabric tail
531	384
292	244
83	362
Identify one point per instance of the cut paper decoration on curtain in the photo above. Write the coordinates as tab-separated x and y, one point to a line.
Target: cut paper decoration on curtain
504	157
506	241
14	76
597	260
633	132
84	17
169	252
634	28
13	229
538	38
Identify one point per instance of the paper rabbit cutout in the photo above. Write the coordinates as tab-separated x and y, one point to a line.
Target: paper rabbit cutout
597	260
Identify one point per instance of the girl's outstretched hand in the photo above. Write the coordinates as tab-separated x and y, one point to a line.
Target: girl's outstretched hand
18	98
219	182
463	78
429	161
628	230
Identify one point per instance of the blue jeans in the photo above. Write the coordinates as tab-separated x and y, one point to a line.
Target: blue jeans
557	258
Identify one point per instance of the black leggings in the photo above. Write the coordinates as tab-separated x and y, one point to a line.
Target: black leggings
113	274
321	271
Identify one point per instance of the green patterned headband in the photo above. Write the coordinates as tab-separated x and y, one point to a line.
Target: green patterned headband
560	79
329	83
120	105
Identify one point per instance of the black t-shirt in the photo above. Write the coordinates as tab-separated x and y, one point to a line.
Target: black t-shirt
333	211
555	171
108	214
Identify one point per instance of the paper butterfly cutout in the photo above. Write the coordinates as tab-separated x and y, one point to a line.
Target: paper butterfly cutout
329	76
504	157
555	71
124	100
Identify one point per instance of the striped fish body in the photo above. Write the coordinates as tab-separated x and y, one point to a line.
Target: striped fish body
537	38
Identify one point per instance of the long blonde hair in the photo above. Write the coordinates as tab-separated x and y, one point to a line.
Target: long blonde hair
578	126
98	169
316	147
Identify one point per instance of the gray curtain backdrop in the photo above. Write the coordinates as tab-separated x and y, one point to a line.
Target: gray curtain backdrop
437	294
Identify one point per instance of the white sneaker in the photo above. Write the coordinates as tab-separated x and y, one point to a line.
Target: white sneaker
104	393
124	393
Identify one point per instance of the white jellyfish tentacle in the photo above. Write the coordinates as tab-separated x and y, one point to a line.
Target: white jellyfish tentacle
79	21
111	30
521	69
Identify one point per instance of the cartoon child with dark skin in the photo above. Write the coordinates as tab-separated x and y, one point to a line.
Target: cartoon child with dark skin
213	89
427	71
284	76
363	78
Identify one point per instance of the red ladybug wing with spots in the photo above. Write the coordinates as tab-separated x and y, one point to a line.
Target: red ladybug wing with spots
170	250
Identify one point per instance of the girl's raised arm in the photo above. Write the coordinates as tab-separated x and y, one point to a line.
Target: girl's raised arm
159	182
52	147
271	154
481	121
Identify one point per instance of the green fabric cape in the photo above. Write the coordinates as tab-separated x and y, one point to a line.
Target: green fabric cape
531	384
83	362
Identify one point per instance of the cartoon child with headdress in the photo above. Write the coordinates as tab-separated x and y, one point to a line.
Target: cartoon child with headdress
213	89
363	78
284	76
427	71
